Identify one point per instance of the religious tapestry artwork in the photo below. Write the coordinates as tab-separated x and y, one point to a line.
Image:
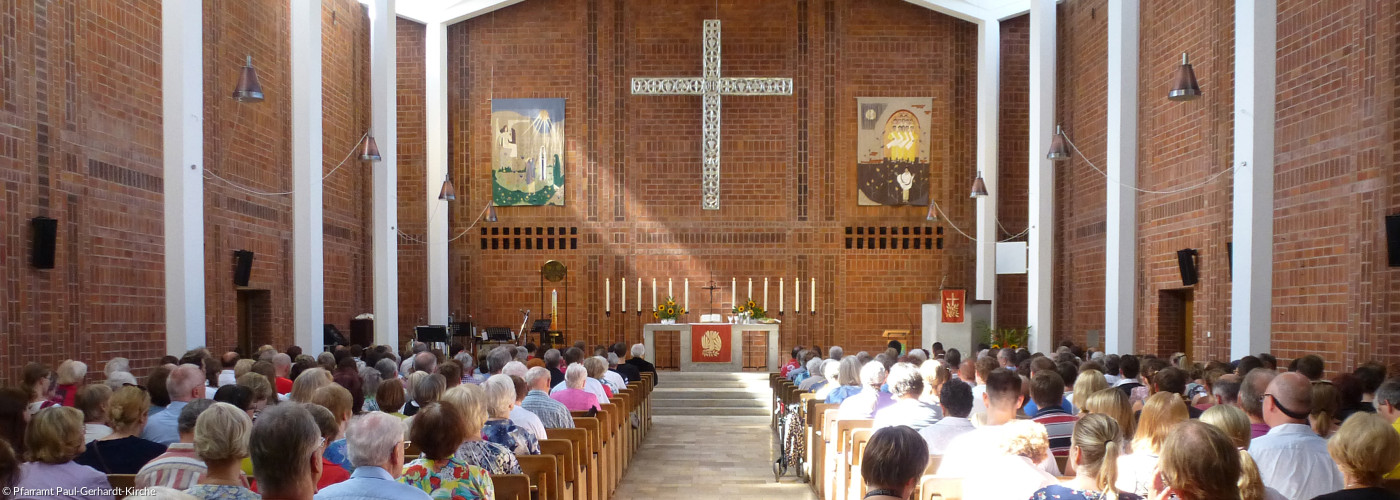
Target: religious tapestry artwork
711	344
527	152
892	147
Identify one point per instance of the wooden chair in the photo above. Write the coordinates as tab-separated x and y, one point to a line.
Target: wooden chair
939	488
563	452
544	475
582	444
511	486
855	485
122	480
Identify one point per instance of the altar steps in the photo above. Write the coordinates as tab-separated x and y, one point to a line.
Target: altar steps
719	394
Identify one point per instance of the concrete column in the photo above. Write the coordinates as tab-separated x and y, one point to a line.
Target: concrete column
436	75
182	111
1120	287
988	94
1040	278
308	237
1251	287
383	91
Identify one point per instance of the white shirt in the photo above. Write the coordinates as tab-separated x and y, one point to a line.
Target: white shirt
939	435
978	406
1008	476
1293	460
527	420
591	385
95	431
968	452
908	412
615	381
209	392
1135	473
226	377
1112	379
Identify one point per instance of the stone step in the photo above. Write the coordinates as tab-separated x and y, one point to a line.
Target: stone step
708	393
710	411
711	403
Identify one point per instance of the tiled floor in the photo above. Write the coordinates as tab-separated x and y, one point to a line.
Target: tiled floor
700	457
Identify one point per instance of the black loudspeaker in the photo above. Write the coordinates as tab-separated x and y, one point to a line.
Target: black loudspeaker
1186	260
45	241
1230	253
1392	237
243	268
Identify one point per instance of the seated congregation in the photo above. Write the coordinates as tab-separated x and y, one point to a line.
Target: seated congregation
515	423
1081	425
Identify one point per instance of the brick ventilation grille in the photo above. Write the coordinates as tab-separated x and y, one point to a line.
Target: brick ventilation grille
894	238
529	238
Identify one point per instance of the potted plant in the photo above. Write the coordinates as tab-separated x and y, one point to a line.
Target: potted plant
667	312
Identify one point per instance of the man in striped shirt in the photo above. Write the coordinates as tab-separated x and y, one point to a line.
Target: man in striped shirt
1047	390
552	414
178	467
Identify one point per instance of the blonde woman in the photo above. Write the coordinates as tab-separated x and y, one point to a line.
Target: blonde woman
54	438
307	382
1094	457
1114	403
1160	412
935	375
123	451
1231	420
1086	384
1198	462
221	436
1326	403
92	401
470	400
1365	448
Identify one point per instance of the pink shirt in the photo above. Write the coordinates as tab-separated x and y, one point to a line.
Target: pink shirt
1256	430
576	399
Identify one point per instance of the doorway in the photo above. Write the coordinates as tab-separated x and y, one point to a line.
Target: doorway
254	320
1175	314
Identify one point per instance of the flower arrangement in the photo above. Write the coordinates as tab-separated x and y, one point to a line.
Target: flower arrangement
1013	338
750	307
668	310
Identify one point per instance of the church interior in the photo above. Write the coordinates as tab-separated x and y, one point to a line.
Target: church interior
1210	179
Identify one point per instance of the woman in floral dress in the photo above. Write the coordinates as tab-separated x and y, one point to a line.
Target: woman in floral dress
437	429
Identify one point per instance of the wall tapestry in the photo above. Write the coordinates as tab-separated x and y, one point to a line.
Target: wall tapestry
892	166
527	153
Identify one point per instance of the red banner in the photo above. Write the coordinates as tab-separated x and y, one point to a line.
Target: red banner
710	343
954	304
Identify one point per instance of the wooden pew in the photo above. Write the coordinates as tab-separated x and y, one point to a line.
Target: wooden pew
564	454
842	442
610	418
855	484
939	488
410	450
582	441
601	453
814	409
543	473
511	486
122	480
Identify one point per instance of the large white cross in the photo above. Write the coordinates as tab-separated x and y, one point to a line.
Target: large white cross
710	87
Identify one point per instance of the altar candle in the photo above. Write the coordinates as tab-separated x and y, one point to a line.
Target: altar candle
797	295
607	293
554	304
686	305
653	292
814	295
750	297
639	295
670	294
734	291
624	295
782	283
765	294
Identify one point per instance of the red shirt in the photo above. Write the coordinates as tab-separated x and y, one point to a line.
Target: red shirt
284	385
792	364
331	473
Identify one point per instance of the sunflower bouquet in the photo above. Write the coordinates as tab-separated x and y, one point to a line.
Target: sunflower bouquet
668	309
752	309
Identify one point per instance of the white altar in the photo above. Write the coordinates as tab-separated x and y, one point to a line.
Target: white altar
736	362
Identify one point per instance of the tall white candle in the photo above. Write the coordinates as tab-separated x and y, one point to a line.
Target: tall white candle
554	305
734	291
686	305
670	294
639	295
653	293
782	284
797	295
765	294
814	295
750	297
607	293
624	294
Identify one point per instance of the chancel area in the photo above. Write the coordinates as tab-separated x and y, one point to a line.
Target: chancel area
644	249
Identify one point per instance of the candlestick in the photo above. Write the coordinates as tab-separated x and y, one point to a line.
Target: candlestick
765	294
686	306
734	291
814	295
607	293
797	295
653	293
782	283
624	295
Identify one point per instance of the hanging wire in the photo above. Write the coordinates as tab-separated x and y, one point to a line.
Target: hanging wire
955	227
1134	188
237	119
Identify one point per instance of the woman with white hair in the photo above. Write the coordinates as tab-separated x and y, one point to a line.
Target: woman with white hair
849	380
573	396
500	400
370	380
221	440
470	401
598	366
70	376
814	367
831	372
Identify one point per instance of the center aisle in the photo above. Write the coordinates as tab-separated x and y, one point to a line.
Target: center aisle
699	449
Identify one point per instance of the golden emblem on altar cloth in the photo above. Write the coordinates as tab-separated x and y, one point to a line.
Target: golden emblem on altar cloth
710	344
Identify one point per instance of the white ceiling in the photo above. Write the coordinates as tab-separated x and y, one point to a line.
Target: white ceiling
453	11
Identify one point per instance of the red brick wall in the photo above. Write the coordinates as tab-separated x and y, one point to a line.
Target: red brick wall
1013	179
633	161
80	142
412	164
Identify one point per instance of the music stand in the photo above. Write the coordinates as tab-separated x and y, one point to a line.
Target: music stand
433	335
499	333
332	337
